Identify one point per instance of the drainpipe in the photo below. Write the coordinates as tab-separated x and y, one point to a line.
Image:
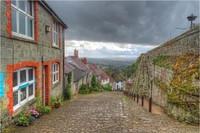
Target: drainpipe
42	61
63	66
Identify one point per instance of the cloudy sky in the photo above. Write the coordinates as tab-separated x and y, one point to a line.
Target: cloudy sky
118	29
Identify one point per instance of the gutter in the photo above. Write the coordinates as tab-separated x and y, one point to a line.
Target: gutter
50	10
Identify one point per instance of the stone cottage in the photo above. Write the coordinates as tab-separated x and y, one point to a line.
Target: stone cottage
96	71
82	74
120	81
104	78
32	56
69	69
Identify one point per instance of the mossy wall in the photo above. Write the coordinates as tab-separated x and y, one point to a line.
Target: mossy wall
170	74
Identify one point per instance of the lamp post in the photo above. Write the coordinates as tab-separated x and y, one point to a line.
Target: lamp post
191	18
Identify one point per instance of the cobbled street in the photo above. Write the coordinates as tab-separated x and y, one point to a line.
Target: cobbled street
107	112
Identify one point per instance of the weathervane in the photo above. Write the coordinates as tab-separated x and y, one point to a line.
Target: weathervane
191	18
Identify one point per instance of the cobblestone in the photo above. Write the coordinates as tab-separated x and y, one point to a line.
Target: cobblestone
107	112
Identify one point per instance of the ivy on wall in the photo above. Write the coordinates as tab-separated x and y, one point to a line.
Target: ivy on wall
68	93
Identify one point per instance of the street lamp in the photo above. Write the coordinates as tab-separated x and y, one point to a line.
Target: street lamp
191	18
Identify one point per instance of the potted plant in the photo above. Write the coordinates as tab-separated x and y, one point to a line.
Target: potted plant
35	113
31	120
59	102
52	102
23	120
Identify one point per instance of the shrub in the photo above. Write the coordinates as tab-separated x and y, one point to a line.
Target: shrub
95	89
45	109
84	89
52	102
107	87
23	119
38	102
94	82
68	94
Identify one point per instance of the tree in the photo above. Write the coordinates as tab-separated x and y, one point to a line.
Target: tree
94	82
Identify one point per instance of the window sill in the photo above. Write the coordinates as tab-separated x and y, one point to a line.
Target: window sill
22	108
14	37
56	47
55	84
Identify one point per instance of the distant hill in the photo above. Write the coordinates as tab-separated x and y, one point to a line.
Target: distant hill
111	62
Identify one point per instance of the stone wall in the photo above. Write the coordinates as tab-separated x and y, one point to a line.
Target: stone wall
18	52
153	80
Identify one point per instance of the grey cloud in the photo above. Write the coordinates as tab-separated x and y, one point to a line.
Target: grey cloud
125	22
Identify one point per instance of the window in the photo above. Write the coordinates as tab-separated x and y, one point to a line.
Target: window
23	18
55	34
23	86
55	73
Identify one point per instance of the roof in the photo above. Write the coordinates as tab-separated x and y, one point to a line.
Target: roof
78	73
53	13
111	79
104	75
68	67
118	77
94	69
78	63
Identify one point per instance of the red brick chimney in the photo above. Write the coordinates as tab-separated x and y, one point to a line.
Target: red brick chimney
75	53
84	60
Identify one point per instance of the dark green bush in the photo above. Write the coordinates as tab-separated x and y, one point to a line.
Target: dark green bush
45	109
67	92
107	87
95	89
84	89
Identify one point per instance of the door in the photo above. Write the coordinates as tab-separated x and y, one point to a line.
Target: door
45	89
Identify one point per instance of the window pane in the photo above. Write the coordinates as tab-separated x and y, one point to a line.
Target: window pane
14	2
22	24
30	74
54	67
22	5
54	37
15	98
29	7
22	76
15	82
54	78
30	90
23	94
30	27
14	20
54	25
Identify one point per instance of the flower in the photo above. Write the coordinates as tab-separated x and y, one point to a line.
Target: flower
26	115
34	112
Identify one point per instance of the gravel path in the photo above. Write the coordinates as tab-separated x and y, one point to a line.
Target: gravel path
107	112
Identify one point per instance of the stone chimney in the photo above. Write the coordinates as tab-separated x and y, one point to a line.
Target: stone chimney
84	60
75	53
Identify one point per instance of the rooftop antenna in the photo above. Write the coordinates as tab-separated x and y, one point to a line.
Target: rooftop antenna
191	18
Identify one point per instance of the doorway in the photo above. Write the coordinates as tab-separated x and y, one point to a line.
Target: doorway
45	83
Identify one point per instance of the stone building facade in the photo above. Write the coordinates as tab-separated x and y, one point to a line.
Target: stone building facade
31	56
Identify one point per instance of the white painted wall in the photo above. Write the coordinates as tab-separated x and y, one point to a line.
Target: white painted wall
105	81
